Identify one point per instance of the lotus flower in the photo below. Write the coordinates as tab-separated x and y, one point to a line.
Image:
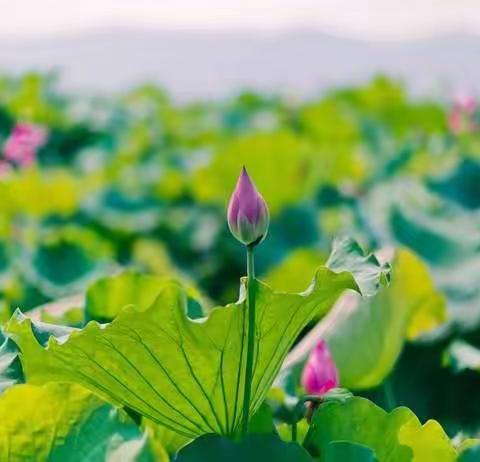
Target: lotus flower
320	373
248	216
23	143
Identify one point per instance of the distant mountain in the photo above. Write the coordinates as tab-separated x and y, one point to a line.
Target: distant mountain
195	65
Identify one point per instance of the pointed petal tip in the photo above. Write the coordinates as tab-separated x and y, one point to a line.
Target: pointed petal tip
244	172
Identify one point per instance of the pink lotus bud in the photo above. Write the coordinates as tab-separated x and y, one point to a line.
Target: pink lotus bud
320	373
248	216
22	144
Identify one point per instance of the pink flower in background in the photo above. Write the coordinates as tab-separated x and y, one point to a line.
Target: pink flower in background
23	143
320	373
466	103
462	117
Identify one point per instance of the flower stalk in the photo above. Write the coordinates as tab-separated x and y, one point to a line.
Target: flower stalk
248	220
299	410
250	337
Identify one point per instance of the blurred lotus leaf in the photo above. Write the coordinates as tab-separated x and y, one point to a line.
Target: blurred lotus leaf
38	194
127	212
281	164
64	260
442	233
460	355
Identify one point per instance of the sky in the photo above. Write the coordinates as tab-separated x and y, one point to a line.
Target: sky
371	19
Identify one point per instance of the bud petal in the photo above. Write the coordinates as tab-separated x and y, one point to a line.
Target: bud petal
320	374
248	216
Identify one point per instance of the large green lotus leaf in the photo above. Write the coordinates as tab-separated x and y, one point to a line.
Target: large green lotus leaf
58	422
394	437
255	448
107	296
184	374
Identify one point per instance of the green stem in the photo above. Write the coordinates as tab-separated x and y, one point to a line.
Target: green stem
250	338
294	431
389	394
299	411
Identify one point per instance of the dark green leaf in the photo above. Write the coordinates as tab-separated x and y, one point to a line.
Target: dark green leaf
255	448
342	451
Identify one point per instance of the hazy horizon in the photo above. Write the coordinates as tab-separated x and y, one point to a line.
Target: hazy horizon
267	34
376	20
197	65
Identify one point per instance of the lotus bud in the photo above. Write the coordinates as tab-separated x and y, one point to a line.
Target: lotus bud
320	374
248	216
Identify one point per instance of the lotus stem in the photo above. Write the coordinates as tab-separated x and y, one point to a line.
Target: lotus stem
299	411
250	338
389	394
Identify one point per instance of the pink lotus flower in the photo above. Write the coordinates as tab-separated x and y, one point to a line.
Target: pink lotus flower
23	143
320	373
248	216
